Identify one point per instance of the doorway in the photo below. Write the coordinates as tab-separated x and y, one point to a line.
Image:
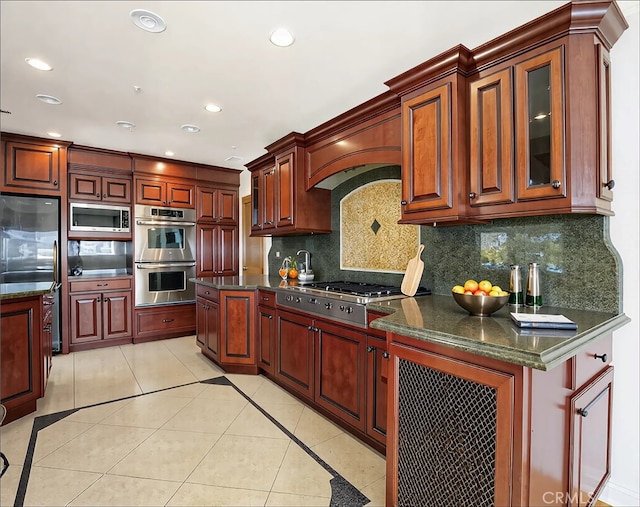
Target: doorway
252	248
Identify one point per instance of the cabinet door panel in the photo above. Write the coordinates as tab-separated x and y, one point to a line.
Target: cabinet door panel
150	192
207	250
294	362
269	199
86	320
491	149
116	190
604	124
83	186
377	378
206	203
539	110
266	336
228	250
181	196
32	167
201	322
590	439
212	341
227	206
340	375
284	171
237	327
117	318
426	178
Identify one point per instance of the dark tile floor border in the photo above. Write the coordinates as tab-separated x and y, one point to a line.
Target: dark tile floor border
343	493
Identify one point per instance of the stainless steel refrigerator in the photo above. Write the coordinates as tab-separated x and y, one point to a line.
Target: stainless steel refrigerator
29	239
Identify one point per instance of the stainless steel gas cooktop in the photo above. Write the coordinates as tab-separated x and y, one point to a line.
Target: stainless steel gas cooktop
342	301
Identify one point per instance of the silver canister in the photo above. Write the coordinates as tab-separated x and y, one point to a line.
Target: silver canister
516	295
534	297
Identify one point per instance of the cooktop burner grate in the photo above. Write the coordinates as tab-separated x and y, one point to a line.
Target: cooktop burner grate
363	289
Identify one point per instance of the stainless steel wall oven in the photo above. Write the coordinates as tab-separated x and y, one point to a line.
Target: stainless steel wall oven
165	241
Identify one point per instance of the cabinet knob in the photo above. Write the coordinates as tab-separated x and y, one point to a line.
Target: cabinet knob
601	356
555	184
370	348
106	300
385	354
472	195
55	183
97	195
104	196
404	203
610	184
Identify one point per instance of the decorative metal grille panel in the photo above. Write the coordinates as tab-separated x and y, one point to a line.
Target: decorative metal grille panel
446	439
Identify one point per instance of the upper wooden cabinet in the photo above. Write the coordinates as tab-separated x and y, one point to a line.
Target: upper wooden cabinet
519	126
281	204
165	193
99	175
33	166
216	205
434	139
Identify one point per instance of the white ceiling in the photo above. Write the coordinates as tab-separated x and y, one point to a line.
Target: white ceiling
218	51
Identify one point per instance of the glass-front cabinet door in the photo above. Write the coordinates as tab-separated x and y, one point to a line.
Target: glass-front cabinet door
539	105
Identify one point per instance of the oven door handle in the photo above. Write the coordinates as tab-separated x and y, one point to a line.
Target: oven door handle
150	265
166	222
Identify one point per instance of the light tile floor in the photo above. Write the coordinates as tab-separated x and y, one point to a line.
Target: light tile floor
142	440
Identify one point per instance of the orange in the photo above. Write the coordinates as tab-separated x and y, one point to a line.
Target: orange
471	285
293	273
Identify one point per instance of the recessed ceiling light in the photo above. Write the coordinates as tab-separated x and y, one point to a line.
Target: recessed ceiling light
125	124
169	153
49	99
54	134
192	129
281	37
212	108
147	20
38	64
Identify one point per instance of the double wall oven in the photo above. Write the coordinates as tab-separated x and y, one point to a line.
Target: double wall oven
165	241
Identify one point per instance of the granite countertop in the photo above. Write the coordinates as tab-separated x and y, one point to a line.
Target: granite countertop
24	289
438	319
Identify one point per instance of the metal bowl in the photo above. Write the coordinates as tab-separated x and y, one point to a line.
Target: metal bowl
480	306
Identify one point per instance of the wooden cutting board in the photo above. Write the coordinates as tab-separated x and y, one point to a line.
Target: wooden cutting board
412	275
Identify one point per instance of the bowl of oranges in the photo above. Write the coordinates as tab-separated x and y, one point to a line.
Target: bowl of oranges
480	299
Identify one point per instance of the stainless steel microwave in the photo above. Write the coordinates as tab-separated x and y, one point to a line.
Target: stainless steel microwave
99	217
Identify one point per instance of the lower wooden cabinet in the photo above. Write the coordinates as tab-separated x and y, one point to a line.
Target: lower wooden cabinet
377	380
208	327
469	430
266	331
164	321
21	371
295	353
48	302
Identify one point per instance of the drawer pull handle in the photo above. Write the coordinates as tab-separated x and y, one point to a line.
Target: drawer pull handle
601	356
101	284
266	299
167	320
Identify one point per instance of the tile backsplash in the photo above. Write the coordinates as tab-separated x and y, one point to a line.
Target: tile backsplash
579	266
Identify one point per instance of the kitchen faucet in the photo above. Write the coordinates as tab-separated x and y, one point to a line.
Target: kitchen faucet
307	259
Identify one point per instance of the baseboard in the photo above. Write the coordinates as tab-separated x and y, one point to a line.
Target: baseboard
619	496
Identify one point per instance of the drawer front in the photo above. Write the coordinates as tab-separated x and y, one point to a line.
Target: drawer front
592	360
207	292
100	285
165	319
267	298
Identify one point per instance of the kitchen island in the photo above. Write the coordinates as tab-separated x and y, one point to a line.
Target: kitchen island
479	411
26	345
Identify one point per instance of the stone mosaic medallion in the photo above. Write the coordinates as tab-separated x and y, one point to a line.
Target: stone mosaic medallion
370	237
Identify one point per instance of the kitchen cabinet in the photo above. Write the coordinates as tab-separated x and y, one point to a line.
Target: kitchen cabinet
100	312
295	353
590	439
513	427
91	187
208	324
217	247
21	369
281	204
216	205
33	166
226	328
156	192
377	382
164	321
266	331
434	140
